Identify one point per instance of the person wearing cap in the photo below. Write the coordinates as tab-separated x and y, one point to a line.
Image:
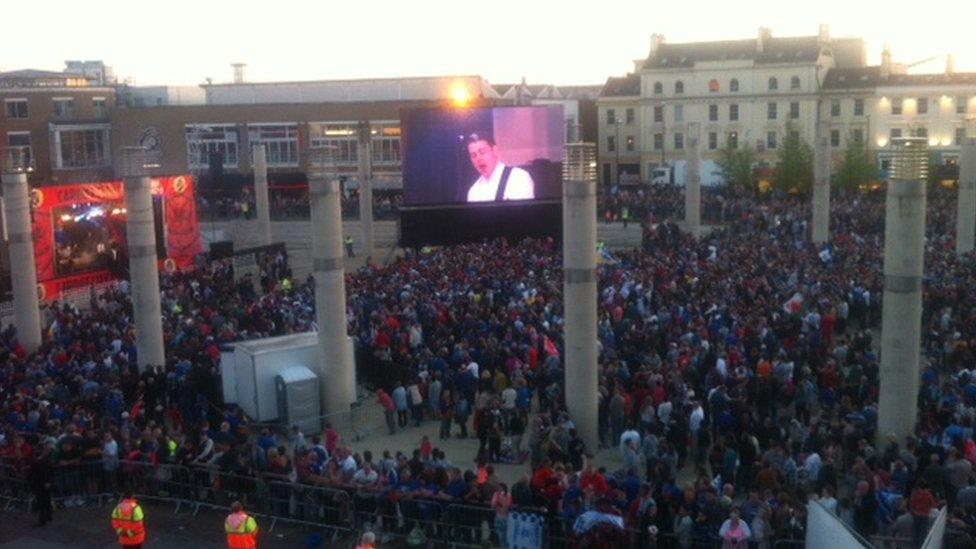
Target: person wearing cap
241	528
127	521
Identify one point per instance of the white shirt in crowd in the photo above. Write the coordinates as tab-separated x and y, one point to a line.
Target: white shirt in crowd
519	187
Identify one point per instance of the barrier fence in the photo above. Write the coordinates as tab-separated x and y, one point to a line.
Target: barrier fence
340	511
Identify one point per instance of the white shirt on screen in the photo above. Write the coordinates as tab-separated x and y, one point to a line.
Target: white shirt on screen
519	186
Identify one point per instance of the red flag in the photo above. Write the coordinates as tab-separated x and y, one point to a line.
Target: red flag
550	347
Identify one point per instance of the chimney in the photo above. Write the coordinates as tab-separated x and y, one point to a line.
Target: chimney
886	61
950	64
823	36
238	72
764	36
657	40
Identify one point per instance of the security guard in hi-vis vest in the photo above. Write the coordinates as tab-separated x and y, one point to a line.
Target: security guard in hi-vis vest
127	520
241	528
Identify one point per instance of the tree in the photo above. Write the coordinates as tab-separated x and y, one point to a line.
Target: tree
794	167
736	166
856	169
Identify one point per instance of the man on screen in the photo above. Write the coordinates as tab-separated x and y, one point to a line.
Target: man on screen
498	181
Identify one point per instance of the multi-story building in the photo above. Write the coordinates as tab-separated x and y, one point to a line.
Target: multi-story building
752	91
61	120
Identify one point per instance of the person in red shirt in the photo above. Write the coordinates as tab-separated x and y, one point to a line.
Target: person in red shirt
921	505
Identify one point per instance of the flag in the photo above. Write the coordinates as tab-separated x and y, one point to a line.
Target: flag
550	347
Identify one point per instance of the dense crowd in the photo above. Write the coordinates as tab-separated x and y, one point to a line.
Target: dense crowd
738	379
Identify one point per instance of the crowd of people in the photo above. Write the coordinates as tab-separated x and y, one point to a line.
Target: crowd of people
738	380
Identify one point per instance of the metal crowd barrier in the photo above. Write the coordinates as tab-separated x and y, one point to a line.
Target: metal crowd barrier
13	486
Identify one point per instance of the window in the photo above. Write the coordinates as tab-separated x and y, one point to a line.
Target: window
280	142
773	84
921	132
16	108
961	105
713	85
64	107
922	105
679	141
770	140
679	113
611	116
679	87
895	133
21	141
835	138
896	105
342	137
734	85
658	141
659	113
795	110
203	140
81	147
713	113
611	143
858	107
630	143
99	107
385	140
771	111
629	114
795	83
733	140
857	135
960	135
835	107
712	141
658	88
733	112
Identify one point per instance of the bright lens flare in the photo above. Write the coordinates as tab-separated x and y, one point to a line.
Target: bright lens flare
460	96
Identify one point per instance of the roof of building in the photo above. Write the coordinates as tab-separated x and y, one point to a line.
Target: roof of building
580	92
622	86
870	77
23	74
775	50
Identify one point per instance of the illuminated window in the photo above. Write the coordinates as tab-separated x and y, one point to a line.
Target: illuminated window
630	143
16	108
81	147
341	137
385	141
202	140
280	142
734	85
732	140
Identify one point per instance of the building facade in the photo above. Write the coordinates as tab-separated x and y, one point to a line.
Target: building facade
755	91
61	121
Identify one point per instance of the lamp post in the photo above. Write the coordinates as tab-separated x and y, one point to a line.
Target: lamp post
904	250
579	288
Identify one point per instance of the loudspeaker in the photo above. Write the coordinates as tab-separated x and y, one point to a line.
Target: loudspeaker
221	249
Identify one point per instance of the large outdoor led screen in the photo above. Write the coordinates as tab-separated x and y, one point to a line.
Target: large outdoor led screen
482	155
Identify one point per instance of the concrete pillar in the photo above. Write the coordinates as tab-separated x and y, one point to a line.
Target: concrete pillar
336	367
820	232
966	203
263	210
904	248
693	181
23	270
366	187
143	263
580	299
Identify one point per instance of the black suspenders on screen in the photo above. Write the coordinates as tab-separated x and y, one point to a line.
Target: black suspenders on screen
500	195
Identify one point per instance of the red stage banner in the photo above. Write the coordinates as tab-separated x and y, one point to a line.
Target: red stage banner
180	224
